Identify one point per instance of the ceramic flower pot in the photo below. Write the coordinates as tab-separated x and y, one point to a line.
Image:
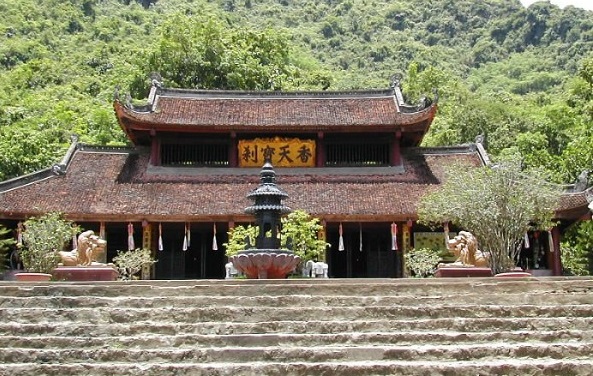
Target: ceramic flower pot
33	277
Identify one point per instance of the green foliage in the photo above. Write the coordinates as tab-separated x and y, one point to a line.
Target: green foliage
24	150
6	244
130	263
498	204
302	230
238	236
298	228
43	237
422	263
576	249
202	52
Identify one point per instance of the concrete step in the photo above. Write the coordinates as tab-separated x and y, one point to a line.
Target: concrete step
289	301
484	326
309	354
195	341
312	287
482	367
123	329
257	314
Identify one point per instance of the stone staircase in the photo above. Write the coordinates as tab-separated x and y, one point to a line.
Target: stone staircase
445	326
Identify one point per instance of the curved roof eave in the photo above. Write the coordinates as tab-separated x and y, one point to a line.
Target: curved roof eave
131	121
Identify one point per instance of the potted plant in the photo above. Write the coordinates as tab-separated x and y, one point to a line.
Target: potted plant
422	262
130	263
300	233
43	238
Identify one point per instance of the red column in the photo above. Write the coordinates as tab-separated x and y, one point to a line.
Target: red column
396	159
233	159
155	150
556	261
320	154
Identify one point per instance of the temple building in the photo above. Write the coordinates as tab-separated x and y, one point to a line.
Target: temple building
352	159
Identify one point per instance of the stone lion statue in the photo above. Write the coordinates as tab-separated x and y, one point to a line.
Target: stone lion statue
230	270
465	248
88	247
315	269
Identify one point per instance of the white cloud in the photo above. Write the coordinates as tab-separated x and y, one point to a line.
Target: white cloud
585	4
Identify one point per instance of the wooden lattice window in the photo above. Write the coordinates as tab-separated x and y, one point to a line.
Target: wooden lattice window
357	153
195	155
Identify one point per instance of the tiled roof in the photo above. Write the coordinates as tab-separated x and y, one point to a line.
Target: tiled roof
264	111
112	185
273	112
574	204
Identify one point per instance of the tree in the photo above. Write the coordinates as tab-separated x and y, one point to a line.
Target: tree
300	233
130	263
576	249
43	238
6	242
497	203
302	230
422	263
204	53
238	236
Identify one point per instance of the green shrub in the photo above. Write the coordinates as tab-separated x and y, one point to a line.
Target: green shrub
6	242
130	263
422	263
298	228
43	238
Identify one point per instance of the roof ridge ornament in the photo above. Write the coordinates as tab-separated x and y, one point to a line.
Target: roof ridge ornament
395	81
582	181
479	142
60	168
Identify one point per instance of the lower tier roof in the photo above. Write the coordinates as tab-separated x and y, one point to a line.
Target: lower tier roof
117	184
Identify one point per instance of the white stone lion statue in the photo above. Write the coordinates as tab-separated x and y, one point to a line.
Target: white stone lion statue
315	269
89	246
230	271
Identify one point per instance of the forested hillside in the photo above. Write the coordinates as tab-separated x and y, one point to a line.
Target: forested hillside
521	77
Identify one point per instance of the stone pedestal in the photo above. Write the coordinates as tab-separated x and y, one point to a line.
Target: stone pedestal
85	273
32	277
265	264
514	274
461	271
540	272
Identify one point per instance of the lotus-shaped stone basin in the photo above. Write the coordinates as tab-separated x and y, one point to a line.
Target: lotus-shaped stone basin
265	263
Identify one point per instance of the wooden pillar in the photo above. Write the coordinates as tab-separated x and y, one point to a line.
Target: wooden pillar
231	225
322	235
147	244
328	252
155	150
102	234
320	150
233	153
205	245
348	251
555	251
406	236
396	158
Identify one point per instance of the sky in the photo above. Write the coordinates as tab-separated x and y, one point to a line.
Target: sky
585	4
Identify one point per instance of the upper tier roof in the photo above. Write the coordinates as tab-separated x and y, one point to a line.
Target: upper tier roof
216	111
